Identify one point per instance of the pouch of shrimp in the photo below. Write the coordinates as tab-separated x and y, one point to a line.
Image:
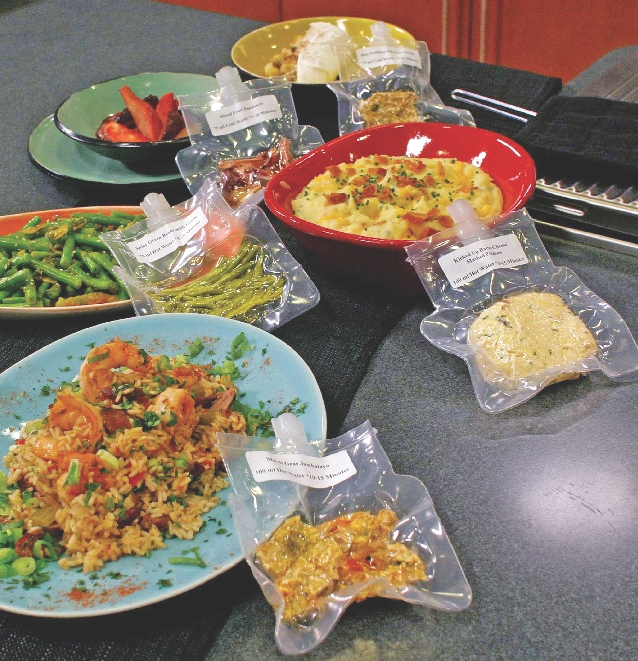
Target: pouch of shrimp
384	81
327	523
202	257
241	135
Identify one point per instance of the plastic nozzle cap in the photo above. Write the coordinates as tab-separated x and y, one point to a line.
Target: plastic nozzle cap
227	76
156	208
230	84
467	224
462	212
381	32
154	203
291	434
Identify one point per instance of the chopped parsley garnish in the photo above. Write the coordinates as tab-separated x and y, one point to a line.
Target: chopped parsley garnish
239	346
90	488
184	559
150	420
195	348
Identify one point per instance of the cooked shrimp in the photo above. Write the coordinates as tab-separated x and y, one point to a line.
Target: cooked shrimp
96	372
71	411
45	447
187	375
176	409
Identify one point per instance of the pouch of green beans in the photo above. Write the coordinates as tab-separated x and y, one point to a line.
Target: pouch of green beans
201	257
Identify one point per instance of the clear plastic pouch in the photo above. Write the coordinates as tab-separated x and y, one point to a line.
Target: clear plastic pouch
201	257
241	135
383	81
354	475
476	275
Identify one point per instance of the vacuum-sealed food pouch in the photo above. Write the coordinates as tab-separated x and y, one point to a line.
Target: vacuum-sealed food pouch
201	257
241	135
324	524
383	81
520	322
310	58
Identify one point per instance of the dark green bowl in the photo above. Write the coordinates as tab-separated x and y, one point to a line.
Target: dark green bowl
80	116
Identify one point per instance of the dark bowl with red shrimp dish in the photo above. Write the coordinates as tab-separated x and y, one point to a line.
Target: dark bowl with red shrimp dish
133	118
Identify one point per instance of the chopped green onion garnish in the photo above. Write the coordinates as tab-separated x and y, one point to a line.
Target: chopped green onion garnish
7	555
24	566
108	459
98	358
75	470
39	553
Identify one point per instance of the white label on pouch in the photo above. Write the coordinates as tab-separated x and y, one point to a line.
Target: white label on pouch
482	256
381	56
166	239
243	114
319	472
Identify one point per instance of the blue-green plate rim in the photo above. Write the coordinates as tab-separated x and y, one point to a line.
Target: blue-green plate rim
150	182
282	365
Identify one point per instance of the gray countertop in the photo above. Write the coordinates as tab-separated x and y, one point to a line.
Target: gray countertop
540	503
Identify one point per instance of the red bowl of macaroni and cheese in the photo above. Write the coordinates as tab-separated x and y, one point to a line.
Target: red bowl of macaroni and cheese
356	202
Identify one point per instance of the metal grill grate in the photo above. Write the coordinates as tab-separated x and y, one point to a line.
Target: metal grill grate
607	210
612	197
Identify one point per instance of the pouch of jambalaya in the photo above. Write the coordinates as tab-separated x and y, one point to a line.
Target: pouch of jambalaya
326	523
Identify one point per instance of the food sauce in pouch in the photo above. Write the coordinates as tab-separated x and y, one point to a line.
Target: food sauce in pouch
383	81
326	523
519	321
241	135
201	257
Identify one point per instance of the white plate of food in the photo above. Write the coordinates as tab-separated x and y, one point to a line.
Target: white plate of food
271	378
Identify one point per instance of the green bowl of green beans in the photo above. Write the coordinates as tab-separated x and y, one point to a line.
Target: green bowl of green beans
54	262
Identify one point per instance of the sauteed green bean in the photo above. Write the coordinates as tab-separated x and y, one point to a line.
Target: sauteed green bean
61	262
237	287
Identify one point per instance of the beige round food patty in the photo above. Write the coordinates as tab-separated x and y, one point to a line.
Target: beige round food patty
529	333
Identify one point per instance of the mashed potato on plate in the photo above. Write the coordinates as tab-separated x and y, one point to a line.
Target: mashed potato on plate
395	197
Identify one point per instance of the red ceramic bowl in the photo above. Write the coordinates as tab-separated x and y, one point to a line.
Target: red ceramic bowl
382	261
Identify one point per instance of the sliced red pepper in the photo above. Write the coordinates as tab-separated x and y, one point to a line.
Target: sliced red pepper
146	118
166	103
353	565
116	132
136	480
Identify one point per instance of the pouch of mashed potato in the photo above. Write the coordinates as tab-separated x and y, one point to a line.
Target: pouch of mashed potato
520	322
241	135
201	257
384	81
326	523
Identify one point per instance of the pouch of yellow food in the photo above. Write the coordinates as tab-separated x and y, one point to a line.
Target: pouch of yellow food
328	522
